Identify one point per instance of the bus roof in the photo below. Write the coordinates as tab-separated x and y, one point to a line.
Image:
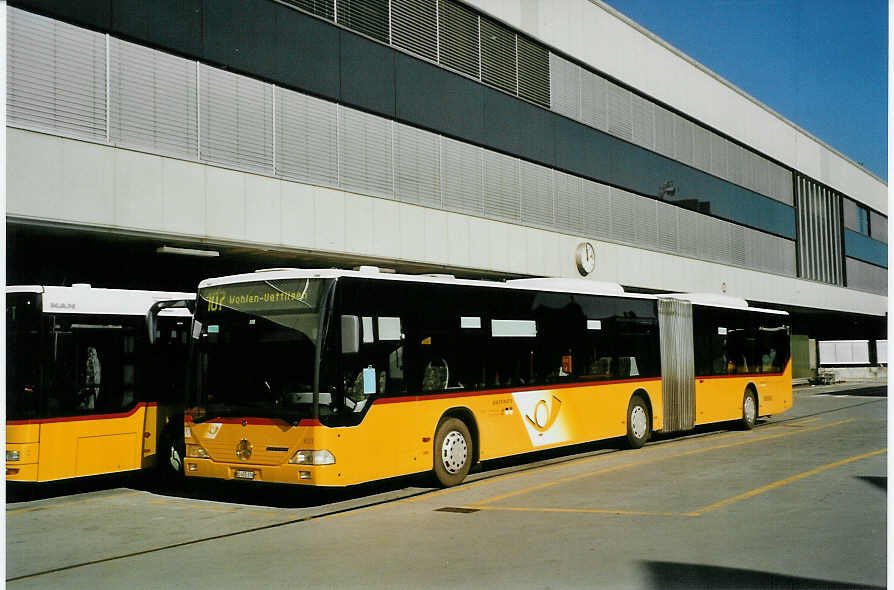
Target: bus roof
560	285
82	298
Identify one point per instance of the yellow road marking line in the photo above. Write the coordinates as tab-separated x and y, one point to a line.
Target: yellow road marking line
782	482
63	504
653	460
548	468
579	510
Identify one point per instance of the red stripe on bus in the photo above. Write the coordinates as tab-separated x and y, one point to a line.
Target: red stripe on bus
425	396
260	421
86	417
740	375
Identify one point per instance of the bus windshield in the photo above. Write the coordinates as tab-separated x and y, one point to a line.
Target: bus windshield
254	349
22	355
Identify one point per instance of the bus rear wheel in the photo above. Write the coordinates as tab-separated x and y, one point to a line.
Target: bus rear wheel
639	422
749	410
452	452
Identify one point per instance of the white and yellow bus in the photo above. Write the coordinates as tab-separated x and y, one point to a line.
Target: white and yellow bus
94	380
332	378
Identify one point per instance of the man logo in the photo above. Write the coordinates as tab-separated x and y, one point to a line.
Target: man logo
243	449
544	418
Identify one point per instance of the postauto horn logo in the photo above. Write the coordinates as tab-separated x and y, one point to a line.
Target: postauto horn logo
541	411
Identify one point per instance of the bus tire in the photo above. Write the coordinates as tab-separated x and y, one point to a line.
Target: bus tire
639	422
453	452
749	409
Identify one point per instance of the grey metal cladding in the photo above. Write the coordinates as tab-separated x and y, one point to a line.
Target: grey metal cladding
643	113
369	17
414	26
737	245
533	71
878	226
365	153
620	111
645	231
152	100
701	148
462	177
565	86
417	166
306	138
323	8
664	132
56	76
498	57
236	118
593	101
668	230
866	277
597	209
719	156
850	213
819	232
623	216
538	199
502	198
458	38
569	202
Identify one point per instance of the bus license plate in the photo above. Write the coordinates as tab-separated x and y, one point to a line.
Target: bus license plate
245	474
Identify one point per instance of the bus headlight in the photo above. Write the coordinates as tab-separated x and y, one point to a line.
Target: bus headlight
196	451
323	457
12	455
187	432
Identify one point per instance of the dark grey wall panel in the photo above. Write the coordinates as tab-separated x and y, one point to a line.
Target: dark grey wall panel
367	74
517	127
439	100
173	24
96	14
581	151
241	39
306	53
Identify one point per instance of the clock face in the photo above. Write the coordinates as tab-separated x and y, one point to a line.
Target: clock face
585	258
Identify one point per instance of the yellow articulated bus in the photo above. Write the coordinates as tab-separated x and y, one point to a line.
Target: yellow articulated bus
333	378
94	380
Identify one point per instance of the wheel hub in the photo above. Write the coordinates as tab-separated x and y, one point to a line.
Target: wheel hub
638	421
749	409
454	451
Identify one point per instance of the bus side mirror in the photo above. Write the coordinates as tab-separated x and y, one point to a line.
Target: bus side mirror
152	322
350	334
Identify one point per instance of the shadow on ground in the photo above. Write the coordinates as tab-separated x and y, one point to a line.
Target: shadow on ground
881	482
671	575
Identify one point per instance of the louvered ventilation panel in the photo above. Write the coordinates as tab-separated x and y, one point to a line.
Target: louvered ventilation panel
364	154
502	195
323	8
664	132
645	214
458	38
667	227
565	86
687	238
737	245
701	148
498	66
569	212
623	217
414	26
152	99
597	209
533	71
719	156
643	122
620	115
369	17
683	140
306	138
736	164
417	168
780	183
236	120
538	200
461	177
761	175
593	101
56	76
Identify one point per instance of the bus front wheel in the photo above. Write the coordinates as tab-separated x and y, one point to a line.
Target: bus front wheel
452	452
639	422
749	410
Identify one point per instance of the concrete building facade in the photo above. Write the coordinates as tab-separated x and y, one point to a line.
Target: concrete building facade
482	138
